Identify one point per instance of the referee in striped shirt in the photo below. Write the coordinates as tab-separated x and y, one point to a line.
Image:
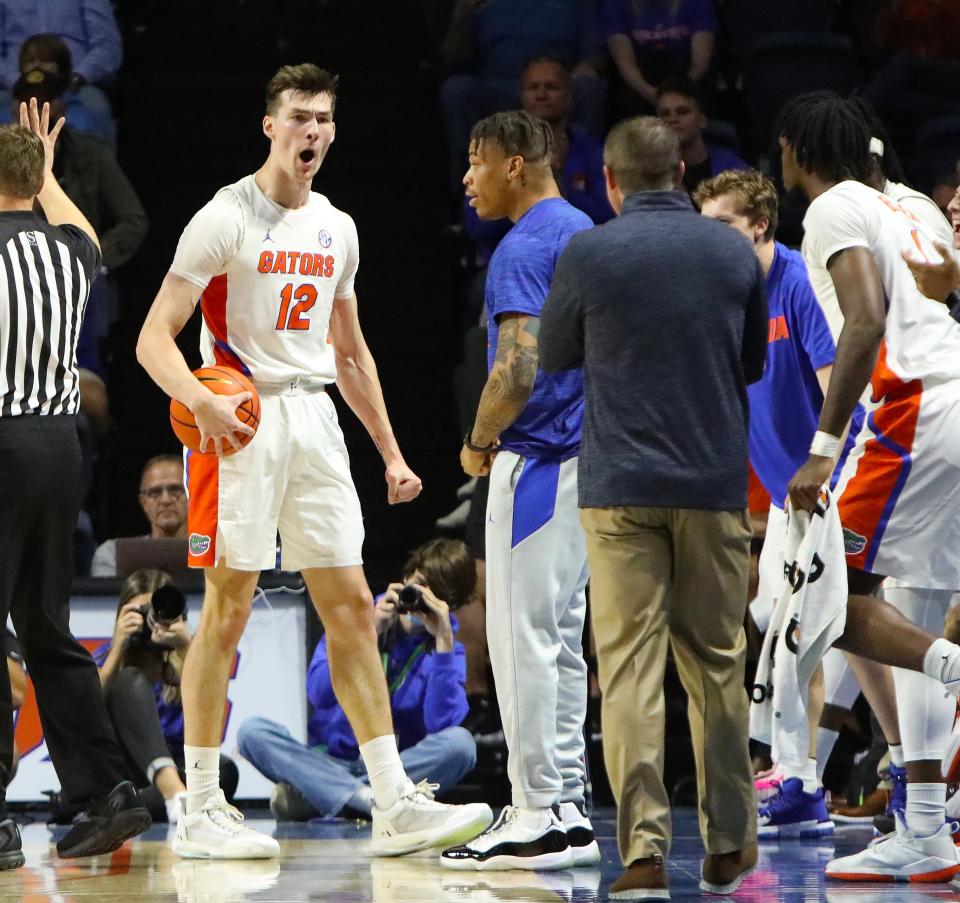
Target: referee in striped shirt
46	267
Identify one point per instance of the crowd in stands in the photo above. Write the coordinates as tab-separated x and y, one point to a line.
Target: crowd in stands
715	71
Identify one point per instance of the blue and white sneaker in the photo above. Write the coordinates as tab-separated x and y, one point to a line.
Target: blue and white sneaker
793	813
897	804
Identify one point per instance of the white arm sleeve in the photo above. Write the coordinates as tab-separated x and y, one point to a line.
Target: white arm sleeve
351	261
211	240
838	220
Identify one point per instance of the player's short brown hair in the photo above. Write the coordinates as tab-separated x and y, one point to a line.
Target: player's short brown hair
448	569
754	193
517	134
21	162
303	79
643	154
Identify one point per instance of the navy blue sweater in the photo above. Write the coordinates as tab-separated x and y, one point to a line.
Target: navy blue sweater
665	311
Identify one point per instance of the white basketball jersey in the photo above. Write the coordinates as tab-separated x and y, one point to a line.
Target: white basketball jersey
921	340
269	277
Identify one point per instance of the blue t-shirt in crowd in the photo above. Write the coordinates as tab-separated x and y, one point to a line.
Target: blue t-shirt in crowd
518	280
785	405
508	33
659	24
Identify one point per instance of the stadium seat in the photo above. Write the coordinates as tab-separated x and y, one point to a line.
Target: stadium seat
781	66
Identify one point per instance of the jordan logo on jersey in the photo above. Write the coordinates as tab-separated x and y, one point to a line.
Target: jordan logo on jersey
267	237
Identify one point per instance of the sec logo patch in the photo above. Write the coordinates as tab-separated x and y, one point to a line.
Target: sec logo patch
326	239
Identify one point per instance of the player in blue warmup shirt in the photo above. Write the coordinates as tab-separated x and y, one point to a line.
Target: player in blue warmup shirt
526	436
784	412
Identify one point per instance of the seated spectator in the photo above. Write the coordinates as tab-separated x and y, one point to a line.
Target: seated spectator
494	39
577	165
50	54
163	499
89	30
652	40
679	106
425	671
140	672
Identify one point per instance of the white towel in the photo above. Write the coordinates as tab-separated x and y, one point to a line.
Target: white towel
808	618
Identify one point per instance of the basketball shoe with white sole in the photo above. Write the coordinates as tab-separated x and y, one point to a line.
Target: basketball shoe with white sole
901	856
531	839
580	835
418	822
217	831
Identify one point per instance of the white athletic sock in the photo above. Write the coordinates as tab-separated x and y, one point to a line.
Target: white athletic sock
826	740
202	764
805	770
942	662
896	755
926	808
385	770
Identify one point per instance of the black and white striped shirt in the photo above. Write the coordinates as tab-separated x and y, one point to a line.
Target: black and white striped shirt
45	277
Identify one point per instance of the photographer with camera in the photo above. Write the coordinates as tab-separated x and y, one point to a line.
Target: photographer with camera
425	672
140	674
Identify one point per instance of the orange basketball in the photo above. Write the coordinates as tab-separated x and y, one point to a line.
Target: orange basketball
223	381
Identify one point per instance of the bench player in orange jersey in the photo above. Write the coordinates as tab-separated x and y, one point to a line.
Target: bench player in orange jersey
272	264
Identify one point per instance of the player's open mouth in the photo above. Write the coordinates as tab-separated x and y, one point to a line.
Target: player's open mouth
307	155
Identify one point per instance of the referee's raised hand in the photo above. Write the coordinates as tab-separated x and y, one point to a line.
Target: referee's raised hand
38	121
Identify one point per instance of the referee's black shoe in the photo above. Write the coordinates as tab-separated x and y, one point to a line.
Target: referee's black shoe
11	852
106	824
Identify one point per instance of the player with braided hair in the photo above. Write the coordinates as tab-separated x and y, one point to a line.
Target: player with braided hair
899	489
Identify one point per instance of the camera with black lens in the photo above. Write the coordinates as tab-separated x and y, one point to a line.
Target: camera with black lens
410	600
167	604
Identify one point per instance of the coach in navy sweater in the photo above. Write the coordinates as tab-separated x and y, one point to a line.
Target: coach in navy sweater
666	313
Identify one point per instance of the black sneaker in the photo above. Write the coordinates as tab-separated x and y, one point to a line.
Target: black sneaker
106	824
580	836
288	804
11	853
483	721
513	842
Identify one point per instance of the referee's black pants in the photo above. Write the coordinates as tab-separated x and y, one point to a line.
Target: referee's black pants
40	496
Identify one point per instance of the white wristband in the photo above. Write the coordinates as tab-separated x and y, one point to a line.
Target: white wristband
824	445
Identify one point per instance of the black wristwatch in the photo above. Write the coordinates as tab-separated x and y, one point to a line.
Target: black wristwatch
953	304
483	449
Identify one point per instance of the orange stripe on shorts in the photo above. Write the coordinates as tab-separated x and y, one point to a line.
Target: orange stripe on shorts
873	491
203	484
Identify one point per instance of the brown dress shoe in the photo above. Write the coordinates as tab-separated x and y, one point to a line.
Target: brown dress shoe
874	804
644	879
723	872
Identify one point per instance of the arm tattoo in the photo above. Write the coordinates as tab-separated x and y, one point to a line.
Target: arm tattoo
511	378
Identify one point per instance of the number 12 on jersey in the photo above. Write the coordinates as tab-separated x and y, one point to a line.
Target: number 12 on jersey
293	318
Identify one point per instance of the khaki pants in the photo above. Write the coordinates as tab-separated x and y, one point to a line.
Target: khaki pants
660	574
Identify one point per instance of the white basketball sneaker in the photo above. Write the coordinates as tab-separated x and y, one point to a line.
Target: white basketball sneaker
418	822
217	831
531	839
580	835
901	856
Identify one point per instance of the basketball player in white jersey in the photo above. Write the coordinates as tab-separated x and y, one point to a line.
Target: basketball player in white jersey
899	491
273	266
